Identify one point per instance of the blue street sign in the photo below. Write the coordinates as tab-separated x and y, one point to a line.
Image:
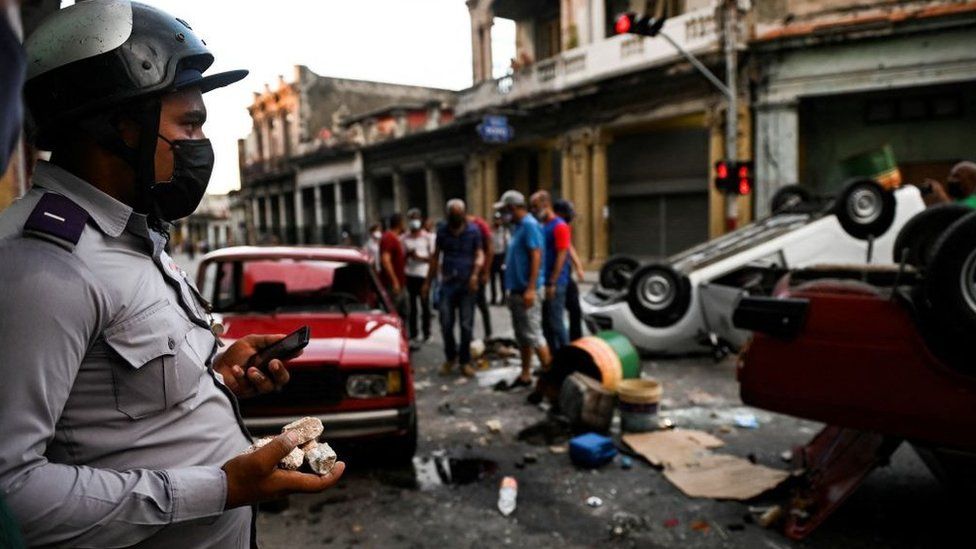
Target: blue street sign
495	129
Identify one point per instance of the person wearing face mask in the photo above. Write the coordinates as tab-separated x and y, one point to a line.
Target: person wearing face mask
556	262
118	405
500	236
458	257
959	187
419	247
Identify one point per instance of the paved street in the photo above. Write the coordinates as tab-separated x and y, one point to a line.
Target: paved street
378	505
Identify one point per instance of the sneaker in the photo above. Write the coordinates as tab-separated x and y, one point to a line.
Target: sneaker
467	370
447	368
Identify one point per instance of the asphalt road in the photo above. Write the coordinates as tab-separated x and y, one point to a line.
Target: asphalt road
385	505
381	505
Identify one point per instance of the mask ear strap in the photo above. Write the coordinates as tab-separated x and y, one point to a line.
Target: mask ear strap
148	119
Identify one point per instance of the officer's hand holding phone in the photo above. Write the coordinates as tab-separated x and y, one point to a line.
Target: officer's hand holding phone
253	364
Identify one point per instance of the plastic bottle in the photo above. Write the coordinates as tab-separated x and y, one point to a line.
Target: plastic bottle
507	495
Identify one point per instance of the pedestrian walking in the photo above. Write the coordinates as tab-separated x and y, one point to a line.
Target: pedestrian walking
500	235
481	299
565	210
419	247
558	239
523	281
393	264
119	416
459	258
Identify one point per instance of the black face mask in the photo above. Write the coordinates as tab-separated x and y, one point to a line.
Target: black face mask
455	221
193	161
954	190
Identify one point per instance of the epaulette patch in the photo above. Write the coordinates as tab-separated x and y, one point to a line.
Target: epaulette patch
58	219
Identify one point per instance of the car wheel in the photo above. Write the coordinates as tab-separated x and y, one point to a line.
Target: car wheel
950	292
617	271
403	448
788	197
916	240
865	209
658	295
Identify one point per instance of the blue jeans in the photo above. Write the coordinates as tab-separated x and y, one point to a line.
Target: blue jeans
456	297
553	327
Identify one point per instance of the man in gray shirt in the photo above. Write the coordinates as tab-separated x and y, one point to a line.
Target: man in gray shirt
118	413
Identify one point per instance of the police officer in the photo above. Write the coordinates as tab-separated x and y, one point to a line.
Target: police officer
118	415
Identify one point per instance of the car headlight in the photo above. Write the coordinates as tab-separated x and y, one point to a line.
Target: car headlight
373	385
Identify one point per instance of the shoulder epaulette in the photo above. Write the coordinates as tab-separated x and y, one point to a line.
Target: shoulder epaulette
57	219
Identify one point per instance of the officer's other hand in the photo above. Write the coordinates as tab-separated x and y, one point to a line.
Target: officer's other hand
255	477
253	381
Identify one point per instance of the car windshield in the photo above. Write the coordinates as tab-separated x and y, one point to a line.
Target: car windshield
288	284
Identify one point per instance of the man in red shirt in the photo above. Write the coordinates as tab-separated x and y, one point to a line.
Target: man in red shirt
393	264
485	273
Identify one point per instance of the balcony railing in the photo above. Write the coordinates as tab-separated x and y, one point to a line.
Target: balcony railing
696	31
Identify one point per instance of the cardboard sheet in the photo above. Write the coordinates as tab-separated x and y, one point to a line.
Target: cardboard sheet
719	476
690	465
672	448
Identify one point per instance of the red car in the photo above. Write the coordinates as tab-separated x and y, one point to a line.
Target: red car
882	356
355	374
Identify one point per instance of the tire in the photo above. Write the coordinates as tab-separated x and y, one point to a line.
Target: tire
915	243
401	450
658	295
617	271
949	291
865	209
788	197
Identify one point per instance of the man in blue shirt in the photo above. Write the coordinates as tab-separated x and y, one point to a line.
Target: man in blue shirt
523	279
558	240
459	242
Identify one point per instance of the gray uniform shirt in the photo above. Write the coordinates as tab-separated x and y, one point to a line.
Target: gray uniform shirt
113	425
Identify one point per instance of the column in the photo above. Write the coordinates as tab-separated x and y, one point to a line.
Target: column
566	187
283	219
777	151
361	201
399	193
490	185
545	169
299	216
337	193
317	199
435	194
372	205
600	205
581	197
255	213
474	183
268	214
744	152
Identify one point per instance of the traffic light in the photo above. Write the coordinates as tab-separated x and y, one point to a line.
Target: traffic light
734	177
634	23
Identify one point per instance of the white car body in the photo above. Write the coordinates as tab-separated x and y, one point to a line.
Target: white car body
788	240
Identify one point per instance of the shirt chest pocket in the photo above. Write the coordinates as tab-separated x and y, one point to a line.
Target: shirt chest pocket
157	369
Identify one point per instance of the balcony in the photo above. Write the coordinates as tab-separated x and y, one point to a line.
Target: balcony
696	31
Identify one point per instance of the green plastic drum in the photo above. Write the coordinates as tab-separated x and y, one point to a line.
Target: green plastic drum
878	164
629	359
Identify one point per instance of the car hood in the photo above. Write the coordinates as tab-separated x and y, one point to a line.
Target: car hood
359	339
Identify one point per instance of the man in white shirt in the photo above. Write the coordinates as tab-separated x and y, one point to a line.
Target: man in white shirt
419	246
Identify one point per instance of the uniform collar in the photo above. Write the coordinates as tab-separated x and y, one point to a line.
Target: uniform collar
110	215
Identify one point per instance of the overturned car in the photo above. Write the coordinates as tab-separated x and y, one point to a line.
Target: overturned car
684	304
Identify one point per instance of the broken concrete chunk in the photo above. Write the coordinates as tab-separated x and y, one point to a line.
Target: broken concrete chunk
321	457
307	428
293	460
257	444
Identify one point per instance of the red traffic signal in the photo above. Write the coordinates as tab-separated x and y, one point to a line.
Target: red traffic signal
734	177
625	22
634	23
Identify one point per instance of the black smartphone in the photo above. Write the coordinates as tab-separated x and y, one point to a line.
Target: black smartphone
286	347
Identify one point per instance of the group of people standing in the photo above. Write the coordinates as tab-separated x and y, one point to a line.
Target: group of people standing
525	259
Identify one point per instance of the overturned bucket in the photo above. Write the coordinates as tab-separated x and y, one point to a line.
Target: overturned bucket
638	401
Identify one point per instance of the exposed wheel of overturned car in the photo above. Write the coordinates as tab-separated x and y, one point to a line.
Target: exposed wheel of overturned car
788	197
865	209
916	240
658	295
949	293
617	271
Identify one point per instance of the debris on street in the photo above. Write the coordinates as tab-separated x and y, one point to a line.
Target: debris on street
591	450
746	421
594	501
586	403
494	426
507	496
